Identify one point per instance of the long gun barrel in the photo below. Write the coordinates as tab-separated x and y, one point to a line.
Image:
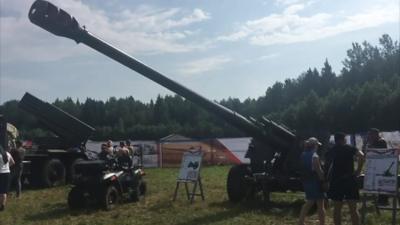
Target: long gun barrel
59	22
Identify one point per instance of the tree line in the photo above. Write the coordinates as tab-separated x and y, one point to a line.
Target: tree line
366	93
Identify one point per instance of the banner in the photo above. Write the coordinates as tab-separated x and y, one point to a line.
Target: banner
150	153
381	171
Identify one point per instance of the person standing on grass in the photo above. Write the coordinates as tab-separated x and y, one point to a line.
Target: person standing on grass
6	161
18	155
343	179
374	140
312	178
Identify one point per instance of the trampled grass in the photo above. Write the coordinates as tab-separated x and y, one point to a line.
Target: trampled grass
49	206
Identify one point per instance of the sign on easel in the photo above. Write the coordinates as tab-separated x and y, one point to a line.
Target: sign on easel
381	177
190	173
190	166
381	171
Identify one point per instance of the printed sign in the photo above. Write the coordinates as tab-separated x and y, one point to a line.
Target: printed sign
381	171
190	167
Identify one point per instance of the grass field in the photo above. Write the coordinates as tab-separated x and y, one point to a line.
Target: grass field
49	206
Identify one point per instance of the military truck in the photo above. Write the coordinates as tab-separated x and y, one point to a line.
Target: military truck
50	160
274	151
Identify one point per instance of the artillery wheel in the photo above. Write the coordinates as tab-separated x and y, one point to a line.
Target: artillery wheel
53	173
236	185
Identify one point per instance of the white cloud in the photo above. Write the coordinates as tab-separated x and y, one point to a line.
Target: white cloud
266	57
291	27
157	20
286	2
261	58
292	2
293	9
204	65
241	34
143	30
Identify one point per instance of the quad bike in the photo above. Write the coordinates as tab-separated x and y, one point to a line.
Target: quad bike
105	183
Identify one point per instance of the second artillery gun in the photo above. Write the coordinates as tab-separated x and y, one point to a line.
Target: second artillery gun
274	151
49	161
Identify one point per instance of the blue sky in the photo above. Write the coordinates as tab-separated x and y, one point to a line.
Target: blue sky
219	49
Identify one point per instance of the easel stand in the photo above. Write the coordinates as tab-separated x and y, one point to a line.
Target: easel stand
190	194
373	196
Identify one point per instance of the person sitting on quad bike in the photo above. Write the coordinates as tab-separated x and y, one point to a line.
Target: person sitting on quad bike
105	153
123	158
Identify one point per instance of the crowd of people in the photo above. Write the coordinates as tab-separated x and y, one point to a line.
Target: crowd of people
124	152
336	180
109	150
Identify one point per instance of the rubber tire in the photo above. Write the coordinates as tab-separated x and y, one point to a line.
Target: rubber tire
139	191
76	199
53	173
111	197
143	188
236	185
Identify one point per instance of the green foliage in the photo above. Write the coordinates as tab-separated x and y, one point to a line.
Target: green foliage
365	94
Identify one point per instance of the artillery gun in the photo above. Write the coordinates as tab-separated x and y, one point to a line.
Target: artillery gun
274	151
50	160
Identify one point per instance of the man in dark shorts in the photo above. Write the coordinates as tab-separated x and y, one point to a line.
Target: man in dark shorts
343	178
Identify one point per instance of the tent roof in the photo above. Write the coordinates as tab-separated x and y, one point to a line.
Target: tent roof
175	137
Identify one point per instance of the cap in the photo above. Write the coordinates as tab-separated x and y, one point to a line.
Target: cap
313	141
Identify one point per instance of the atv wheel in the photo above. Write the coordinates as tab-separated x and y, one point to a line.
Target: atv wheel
110	198
237	187
53	173
143	188
76	199
139	191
